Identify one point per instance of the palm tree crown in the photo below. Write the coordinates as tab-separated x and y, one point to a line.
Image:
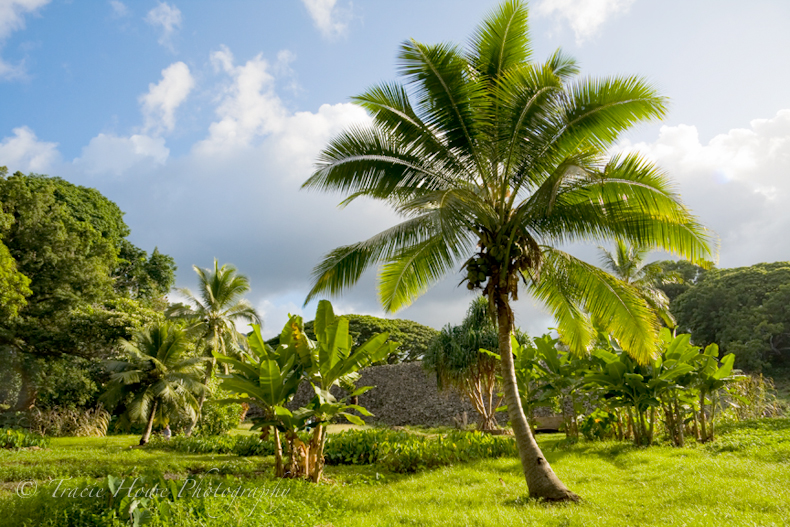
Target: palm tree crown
214	311
159	375
486	153
627	262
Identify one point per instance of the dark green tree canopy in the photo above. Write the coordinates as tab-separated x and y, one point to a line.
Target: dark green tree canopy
745	311
687	275
88	285
70	242
414	338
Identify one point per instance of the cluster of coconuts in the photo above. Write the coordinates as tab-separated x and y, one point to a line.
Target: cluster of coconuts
480	266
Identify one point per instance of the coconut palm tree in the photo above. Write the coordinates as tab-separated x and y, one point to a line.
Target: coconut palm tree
161	378
212	315
494	161
627	262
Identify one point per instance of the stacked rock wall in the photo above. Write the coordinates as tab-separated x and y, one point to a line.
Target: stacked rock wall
404	394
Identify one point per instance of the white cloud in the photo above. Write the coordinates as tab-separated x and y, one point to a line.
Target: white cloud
737	184
110	154
162	100
584	16
119	9
248	106
12	18
24	152
330	20
168	17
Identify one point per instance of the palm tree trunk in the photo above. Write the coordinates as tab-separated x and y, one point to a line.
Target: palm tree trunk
201	400
149	426
541	479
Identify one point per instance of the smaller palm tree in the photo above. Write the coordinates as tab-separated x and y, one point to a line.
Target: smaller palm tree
158	380
627	262
212	314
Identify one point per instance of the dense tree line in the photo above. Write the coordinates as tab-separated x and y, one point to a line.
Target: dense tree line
71	285
745	310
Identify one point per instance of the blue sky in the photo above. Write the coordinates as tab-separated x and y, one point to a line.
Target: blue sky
201	119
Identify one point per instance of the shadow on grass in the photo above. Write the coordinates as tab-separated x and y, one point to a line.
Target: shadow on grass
522	502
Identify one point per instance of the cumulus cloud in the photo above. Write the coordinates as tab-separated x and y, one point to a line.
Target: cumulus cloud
584	16
12	18
331	20
737	183
162	100
110	154
24	152
168	18
248	105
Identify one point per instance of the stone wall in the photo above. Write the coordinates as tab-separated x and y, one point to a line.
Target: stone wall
404	394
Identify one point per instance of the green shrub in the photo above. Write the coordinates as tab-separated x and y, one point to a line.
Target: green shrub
360	447
456	447
252	445
241	445
405	452
19	438
217	419
598	425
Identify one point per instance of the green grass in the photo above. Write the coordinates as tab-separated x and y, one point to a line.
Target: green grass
741	479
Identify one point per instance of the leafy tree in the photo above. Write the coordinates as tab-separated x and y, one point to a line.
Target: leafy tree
142	277
627	262
746	310
13	284
414	338
687	274
158	380
490	154
213	313
66	240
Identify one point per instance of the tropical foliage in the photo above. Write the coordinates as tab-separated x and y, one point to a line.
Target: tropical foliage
456	358
613	395
212	315
158	381
270	377
494	161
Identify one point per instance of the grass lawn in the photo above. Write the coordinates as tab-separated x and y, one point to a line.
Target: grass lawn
741	479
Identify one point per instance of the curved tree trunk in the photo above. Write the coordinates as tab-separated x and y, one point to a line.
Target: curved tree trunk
541	479
201	400
149	426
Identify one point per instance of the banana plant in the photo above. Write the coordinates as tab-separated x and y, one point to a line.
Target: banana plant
712	377
643	388
562	377
335	363
269	378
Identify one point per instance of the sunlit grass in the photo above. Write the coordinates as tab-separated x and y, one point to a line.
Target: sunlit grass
742	479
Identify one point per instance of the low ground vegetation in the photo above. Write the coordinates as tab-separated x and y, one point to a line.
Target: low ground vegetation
623	484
